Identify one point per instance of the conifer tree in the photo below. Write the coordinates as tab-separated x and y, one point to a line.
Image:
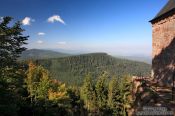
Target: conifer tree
114	98
11	46
88	94
11	43
125	92
119	95
101	91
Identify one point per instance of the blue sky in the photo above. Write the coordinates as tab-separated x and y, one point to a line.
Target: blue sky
118	27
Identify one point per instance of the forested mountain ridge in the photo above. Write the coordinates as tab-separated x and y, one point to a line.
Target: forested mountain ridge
72	69
41	54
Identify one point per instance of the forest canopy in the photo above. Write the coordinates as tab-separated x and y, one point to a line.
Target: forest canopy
73	69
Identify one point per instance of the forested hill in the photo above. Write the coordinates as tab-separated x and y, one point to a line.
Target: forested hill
41	54
73	69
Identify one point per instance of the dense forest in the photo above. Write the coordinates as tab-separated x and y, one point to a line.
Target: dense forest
29	89
73	69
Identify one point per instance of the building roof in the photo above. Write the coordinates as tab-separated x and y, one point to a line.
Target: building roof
170	6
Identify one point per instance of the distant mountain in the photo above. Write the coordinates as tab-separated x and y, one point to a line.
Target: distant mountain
146	59
41	54
134	57
73	52
72	69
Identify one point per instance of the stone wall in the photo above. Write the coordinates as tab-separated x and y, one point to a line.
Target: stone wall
163	33
163	54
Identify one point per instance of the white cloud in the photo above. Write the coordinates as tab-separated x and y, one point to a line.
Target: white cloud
1	19
41	33
40	42
27	21
55	18
61	43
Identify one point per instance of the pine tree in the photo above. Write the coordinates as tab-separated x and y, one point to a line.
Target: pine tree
88	94
119	95
11	42
44	85
114	98
101	91
125	88
11	46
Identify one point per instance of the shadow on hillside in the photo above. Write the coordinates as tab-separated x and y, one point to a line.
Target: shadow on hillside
163	65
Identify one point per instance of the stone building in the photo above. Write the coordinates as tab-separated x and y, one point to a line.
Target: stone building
163	43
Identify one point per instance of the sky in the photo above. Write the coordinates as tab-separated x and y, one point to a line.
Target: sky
117	27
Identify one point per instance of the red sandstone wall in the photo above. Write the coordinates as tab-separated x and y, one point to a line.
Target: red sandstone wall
163	33
163	53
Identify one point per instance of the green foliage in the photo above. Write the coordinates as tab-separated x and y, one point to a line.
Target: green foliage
88	93
38	82
75	101
40	94
46	93
11	40
8	105
73	69
112	100
114	95
11	74
101	91
119	95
